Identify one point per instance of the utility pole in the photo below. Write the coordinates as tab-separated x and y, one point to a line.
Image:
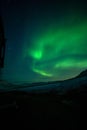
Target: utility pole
2	47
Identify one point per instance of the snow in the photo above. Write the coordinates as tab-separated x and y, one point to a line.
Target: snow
45	87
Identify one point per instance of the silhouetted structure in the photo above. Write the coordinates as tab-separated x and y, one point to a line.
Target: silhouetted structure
2	45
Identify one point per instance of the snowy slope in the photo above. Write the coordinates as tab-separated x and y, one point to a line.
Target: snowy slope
60	86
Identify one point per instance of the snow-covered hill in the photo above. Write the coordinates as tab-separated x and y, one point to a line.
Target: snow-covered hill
57	86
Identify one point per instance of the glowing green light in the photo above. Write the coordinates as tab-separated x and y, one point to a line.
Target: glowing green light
42	73
36	54
59	47
51	44
71	63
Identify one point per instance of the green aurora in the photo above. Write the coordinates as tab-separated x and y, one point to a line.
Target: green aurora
59	47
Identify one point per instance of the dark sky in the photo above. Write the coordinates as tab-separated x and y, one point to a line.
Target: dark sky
46	40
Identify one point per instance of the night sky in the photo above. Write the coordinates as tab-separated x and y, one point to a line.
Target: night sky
45	40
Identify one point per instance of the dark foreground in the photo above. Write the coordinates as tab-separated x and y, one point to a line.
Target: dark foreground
50	110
